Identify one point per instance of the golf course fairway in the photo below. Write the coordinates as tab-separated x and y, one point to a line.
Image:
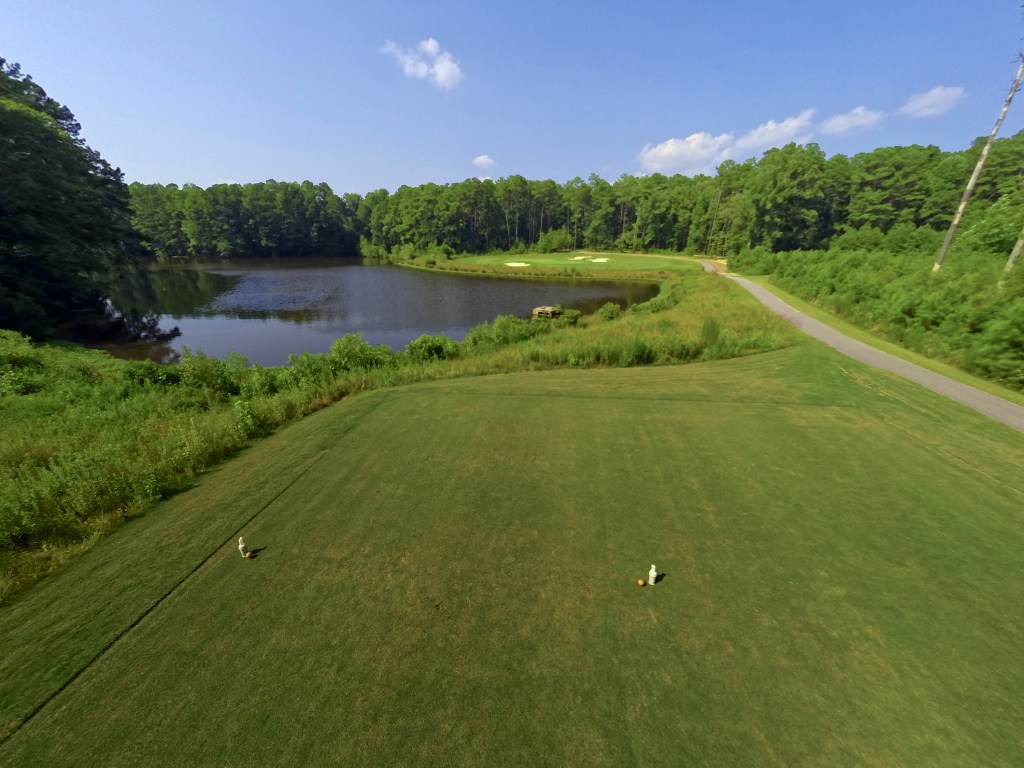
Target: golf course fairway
446	574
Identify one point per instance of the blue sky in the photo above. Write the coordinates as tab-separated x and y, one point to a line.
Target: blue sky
381	93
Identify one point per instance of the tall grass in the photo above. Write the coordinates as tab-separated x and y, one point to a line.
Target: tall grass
89	441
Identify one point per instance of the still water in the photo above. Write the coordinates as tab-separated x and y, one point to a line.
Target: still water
267	311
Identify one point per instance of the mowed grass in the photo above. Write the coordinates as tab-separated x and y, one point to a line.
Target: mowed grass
447	575
581	261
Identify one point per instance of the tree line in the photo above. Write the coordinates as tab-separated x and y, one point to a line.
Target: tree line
791	198
229	221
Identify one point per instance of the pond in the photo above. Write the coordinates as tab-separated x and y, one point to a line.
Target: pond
267	311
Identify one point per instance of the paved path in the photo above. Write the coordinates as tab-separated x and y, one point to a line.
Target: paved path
1002	410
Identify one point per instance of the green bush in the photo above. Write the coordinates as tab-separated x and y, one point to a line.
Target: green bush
553	241
352	353
147	372
250	420
759	260
262	382
610	311
568	318
440	252
1000	352
503	331
661	302
309	370
427	348
199	371
372	252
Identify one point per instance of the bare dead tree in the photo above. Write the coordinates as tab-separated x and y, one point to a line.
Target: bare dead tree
977	169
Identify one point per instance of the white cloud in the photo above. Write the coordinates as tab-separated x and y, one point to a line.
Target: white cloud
703	153
937	101
483	161
427	61
857	119
773	134
697	153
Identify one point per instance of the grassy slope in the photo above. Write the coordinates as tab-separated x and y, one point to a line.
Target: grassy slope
124	438
449	578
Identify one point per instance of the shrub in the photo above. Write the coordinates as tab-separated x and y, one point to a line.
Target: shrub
1000	352
370	251
553	241
249	420
403	253
200	371
310	370
351	353
427	348
262	382
440	252
505	330
147	372
610	311
509	329
21	365
568	318
659	303
759	260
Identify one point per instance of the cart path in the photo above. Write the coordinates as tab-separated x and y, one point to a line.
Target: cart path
996	407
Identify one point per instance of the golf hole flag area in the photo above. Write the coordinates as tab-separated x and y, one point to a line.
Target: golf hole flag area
589	262
447	575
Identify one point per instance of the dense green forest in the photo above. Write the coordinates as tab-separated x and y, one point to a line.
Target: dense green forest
792	198
64	213
233	221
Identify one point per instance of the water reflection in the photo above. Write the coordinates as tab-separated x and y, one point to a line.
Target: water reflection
170	290
267	311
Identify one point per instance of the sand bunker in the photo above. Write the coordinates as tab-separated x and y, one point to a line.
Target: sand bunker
578	258
516	264
598	261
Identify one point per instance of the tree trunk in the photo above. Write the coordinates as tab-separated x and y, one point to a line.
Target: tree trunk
1013	258
977	170
711	229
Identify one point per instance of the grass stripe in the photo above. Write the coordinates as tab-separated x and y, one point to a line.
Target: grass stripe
454	583
229	541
